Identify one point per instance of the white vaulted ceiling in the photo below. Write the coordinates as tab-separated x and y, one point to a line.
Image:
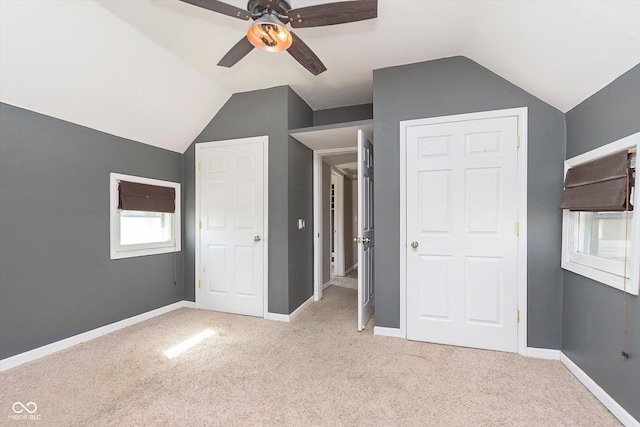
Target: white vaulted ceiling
146	69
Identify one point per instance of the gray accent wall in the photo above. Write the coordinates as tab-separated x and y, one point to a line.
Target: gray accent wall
267	112
300	207
189	222
56	276
458	85
351	113
592	321
300	201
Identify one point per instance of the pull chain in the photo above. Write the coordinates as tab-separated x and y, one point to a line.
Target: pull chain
175	268
625	334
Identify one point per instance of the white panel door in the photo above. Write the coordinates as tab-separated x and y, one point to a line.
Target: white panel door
366	241
462	215
231	203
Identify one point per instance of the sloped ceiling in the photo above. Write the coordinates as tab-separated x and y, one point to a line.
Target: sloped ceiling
146	69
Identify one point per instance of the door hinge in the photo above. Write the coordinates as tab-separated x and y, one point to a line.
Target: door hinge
517	228
517	316
199	283
200	225
200	163
518	141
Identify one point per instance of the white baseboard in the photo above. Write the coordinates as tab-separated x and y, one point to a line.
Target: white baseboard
614	407
326	285
350	269
189	304
289	317
389	332
36	353
543	353
277	317
300	309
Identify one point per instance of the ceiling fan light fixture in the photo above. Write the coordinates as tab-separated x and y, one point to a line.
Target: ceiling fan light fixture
269	34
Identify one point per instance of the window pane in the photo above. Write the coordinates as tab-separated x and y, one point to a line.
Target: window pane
138	227
604	234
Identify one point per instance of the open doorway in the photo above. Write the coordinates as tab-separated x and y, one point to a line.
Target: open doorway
336	222
335	181
343	183
329	145
341	208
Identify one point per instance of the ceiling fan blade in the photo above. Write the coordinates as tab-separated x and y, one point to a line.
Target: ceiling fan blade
305	56
237	52
220	7
333	13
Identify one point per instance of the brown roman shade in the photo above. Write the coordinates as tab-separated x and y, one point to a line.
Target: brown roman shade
133	196
599	185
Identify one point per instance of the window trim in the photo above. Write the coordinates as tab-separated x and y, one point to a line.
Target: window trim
595	267
118	251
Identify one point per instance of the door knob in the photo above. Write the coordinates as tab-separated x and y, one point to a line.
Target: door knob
356	240
257	239
366	240
414	245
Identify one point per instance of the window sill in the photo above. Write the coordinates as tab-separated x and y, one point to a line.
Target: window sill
604	277
142	252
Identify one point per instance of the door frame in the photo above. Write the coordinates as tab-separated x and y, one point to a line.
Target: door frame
317	214
521	114
338	222
264	140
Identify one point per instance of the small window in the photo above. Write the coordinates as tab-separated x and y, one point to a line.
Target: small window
140	227
603	245
145	216
604	234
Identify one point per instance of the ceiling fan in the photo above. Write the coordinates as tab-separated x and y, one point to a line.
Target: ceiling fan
269	31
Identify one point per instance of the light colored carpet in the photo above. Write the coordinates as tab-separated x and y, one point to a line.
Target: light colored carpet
349	281
314	371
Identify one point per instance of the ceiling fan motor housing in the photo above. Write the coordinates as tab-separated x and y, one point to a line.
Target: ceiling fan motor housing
258	8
